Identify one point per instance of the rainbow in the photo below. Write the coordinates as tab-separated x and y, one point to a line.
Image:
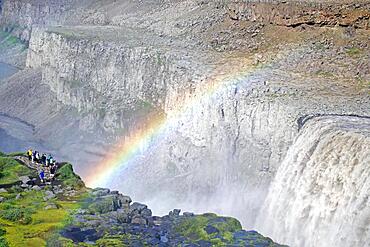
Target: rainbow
126	150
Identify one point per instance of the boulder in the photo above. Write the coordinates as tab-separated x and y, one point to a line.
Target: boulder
24	179
2	190
136	208
48	195
105	204
211	229
146	213
175	212
125	200
24	186
36	187
2	199
18	196
81	211
188	214
51	206
138	220
164	238
122	216
99	192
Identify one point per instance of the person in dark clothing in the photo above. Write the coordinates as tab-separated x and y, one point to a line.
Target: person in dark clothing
37	157
43	159
53	170
34	156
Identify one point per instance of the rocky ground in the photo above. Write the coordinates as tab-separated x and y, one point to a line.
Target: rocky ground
98	72
66	213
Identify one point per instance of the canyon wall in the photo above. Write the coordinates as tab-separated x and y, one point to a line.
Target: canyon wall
20	16
296	13
108	74
115	81
320	195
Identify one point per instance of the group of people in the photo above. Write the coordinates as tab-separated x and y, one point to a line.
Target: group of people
46	164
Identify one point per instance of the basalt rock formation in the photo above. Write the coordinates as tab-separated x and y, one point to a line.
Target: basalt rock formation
102	70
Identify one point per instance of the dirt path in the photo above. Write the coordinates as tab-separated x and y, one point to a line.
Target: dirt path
34	166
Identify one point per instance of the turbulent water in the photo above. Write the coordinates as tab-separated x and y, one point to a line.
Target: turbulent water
320	196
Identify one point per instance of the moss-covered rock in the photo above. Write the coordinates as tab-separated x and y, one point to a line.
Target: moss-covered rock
208	227
69	178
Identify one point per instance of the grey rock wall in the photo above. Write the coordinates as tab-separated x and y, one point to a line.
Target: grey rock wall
125	61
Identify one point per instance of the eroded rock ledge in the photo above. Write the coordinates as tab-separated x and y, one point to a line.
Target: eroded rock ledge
296	13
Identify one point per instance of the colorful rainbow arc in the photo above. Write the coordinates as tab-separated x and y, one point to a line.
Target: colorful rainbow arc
128	148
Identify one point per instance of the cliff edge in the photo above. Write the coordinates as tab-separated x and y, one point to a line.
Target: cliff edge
64	212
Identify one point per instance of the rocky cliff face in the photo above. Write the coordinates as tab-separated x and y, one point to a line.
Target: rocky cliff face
322	179
116	63
318	13
20	16
92	73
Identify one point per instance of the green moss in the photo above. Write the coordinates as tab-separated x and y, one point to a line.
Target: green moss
104	206
323	73
194	228
121	240
7	40
68	176
3	242
353	51
44	222
11	170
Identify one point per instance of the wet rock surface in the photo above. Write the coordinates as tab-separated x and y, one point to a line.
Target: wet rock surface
107	216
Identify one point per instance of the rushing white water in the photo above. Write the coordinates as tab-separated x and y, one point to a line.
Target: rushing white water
321	192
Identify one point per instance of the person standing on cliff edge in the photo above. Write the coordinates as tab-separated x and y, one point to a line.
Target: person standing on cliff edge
29	154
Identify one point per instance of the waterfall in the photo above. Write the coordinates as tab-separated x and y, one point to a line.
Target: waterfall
321	193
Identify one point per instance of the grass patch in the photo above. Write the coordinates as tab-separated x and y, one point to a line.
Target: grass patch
25	221
14	154
11	170
44	223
